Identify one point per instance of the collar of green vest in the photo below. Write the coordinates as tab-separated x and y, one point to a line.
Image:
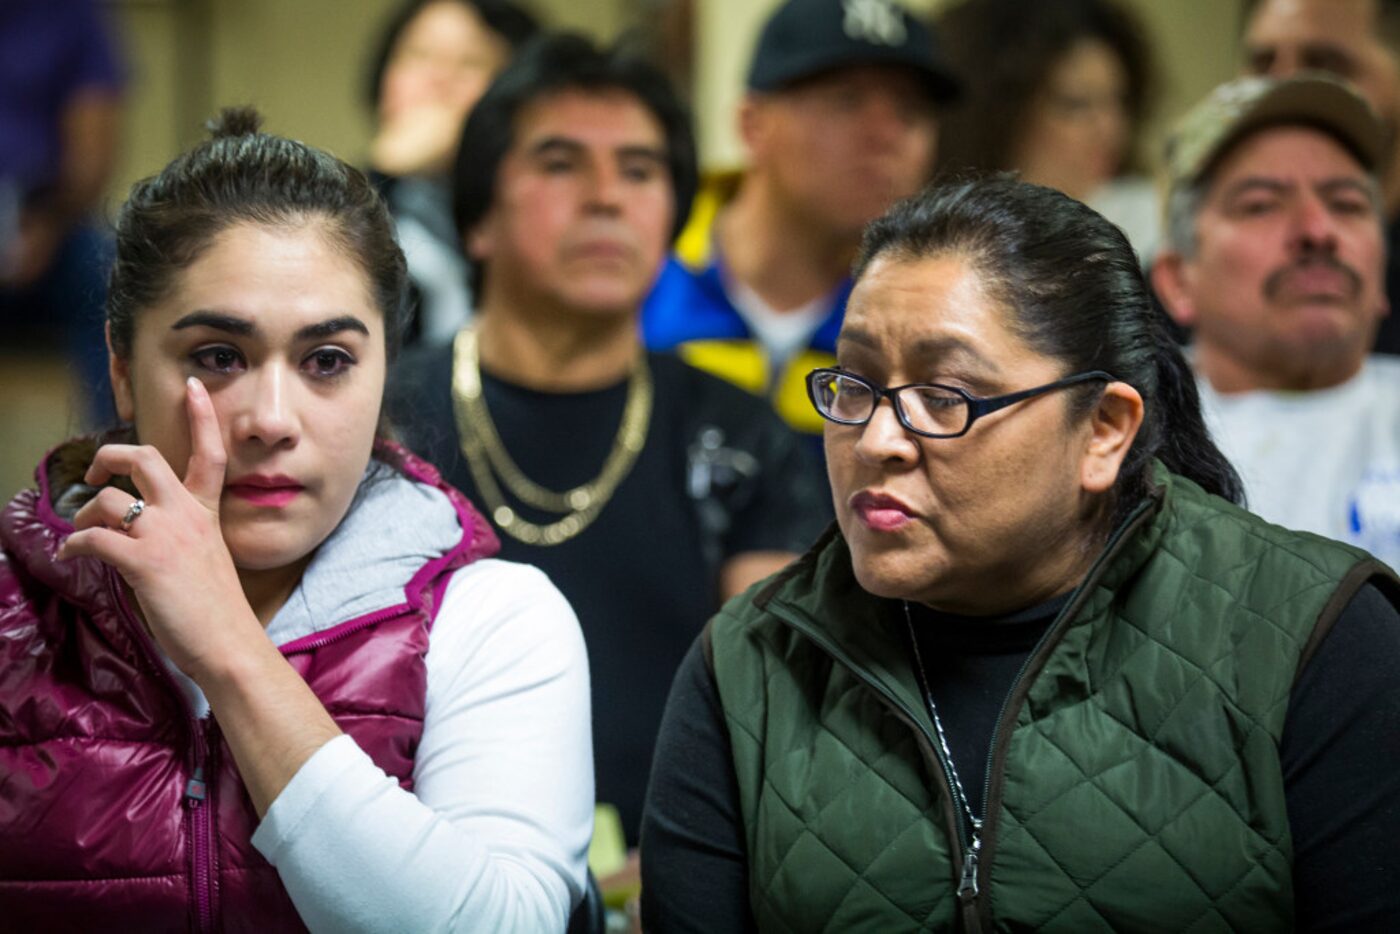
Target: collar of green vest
820	596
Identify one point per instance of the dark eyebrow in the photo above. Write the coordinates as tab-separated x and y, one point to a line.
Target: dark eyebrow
1259	53
217	321
1331	53
242	328
650	153
855	335
545	144
332	327
1330	186
1275	186
927	348
564	144
1250	183
938	347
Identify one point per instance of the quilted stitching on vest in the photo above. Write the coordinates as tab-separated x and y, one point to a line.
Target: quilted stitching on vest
868	783
1141	788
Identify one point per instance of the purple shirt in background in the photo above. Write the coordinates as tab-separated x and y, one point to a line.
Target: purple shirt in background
49	51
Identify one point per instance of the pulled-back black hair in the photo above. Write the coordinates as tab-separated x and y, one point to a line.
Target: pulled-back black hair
511	21
547	65
241	175
1073	290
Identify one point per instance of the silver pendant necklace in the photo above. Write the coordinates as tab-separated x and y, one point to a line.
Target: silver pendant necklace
969	879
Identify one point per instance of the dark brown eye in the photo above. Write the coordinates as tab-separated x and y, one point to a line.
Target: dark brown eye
328	362
218	359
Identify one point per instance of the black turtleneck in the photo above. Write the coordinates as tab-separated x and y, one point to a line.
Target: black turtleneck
969	665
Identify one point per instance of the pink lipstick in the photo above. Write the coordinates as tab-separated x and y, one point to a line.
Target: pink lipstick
880	512
260	490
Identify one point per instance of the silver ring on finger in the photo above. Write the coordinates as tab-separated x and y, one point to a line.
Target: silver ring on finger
133	512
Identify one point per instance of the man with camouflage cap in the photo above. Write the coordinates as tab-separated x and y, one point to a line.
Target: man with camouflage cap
1358	41
1275	262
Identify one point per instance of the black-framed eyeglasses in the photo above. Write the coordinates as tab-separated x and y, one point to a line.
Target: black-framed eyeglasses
928	409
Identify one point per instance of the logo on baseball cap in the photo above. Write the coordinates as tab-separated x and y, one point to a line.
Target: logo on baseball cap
805	38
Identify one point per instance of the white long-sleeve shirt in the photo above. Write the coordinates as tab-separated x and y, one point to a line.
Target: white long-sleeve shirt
494	836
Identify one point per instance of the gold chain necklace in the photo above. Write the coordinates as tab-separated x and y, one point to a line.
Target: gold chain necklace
487	456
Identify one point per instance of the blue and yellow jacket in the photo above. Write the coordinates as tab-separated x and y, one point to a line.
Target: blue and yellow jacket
689	312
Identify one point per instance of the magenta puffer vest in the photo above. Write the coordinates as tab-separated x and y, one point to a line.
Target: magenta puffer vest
118	808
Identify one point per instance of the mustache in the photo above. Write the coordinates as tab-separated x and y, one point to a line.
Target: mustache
1274	284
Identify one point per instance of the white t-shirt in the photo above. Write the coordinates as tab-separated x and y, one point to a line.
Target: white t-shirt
781	333
1134	204
1326	461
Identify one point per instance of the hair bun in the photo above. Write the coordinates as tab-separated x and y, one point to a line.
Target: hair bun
234	121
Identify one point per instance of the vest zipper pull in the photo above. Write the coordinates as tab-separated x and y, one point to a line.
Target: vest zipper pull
967	890
194	788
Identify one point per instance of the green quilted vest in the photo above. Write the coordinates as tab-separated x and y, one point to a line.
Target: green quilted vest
1134	783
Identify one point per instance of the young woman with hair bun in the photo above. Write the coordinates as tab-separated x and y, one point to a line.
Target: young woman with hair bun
260	671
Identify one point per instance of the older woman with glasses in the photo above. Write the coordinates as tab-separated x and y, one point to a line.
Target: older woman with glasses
1044	673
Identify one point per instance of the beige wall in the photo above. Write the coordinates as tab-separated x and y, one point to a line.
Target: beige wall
1197	49
298	61
302	63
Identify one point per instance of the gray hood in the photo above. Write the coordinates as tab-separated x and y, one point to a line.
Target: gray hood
394	527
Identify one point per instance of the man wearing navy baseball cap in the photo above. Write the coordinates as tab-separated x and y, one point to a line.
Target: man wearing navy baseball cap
839	122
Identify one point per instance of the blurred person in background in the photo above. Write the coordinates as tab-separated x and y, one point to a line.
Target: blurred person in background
434	60
1058	92
1275	261
839	121
1358	40
61	87
648	490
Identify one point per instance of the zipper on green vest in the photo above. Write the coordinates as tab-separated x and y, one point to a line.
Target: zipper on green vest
1001	732
972	843
967	888
967	827
967	835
